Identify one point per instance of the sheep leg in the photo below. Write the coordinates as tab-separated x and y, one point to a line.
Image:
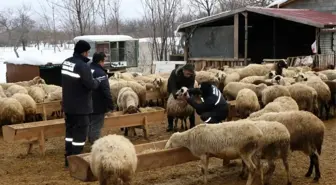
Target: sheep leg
175	126
243	174
126	132
285	163
270	171
315	159
247	159
327	110
311	166
205	163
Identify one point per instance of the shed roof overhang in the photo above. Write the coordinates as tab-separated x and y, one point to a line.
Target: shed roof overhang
302	16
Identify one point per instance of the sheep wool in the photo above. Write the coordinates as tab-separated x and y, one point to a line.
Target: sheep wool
113	157
231	89
220	141
232	77
281	104
128	100
306	133
205	76
140	90
276	145
11	111
15	89
27	102
305	96
272	92
2	93
37	93
246	103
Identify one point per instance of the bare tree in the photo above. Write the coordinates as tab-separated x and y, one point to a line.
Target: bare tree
115	12
7	23
81	9
161	16
207	6
226	5
23	24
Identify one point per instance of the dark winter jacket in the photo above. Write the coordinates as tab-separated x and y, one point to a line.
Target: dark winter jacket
77	85
213	99
101	97
177	80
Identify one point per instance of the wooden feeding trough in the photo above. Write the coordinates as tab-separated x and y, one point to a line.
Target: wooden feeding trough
157	157
38	132
47	108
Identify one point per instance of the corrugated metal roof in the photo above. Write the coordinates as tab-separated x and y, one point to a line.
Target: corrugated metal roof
303	16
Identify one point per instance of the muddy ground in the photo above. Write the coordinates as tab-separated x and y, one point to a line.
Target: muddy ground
17	169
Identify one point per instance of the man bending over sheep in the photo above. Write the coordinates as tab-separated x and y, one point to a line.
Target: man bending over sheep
213	108
181	77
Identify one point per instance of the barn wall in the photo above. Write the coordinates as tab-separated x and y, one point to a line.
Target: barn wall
212	42
329	6
16	73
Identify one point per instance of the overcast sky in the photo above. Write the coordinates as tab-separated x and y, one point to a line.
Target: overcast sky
129	8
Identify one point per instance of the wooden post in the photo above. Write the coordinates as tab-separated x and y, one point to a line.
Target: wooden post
42	143
186	46
274	40
44	112
246	38
236	36
317	38
145	128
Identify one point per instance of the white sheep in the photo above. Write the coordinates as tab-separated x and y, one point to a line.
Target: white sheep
37	93
330	73
280	104
270	93
11	111
306	133
261	70
128	102
280	80
113	158
15	89
276	145
322	89
231	89
231	77
205	76
246	103
305	96
27	102
219	140
2	93
116	85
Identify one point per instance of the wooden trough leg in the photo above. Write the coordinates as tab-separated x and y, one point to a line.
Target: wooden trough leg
44	113
42	143
145	127
30	147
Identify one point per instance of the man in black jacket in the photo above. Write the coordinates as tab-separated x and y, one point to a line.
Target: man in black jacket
101	97
214	108
77	86
181	77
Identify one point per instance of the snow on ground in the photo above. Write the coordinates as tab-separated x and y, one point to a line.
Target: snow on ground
33	56
277	2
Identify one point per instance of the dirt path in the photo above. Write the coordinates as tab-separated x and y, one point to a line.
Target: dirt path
32	170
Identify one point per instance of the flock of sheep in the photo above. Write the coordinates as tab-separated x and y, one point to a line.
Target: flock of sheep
279	107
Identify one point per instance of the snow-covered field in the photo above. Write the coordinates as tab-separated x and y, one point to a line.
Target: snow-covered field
33	56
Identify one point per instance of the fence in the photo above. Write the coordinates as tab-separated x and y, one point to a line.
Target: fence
320	61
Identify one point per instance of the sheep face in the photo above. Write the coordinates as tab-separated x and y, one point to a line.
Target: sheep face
131	110
300	77
173	141
282	64
276	79
157	83
38	80
271	74
182	92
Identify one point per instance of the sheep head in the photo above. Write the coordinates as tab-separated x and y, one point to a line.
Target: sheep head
182	92
131	110
157	83
300	77
282	64
38	80
271	74
174	141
